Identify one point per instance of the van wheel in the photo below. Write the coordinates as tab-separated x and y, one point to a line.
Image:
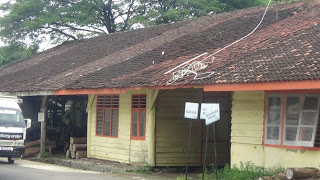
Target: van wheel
10	161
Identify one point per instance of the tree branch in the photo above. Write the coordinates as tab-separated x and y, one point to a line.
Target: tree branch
63	33
79	29
128	16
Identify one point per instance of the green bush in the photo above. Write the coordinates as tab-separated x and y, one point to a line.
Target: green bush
46	155
245	171
144	170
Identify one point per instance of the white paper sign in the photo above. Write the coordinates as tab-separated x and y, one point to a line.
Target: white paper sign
191	110
40	117
205	107
212	113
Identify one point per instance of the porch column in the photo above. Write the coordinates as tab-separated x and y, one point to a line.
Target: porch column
151	126
43	125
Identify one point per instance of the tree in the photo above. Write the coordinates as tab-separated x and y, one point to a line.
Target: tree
36	21
15	51
166	11
239	4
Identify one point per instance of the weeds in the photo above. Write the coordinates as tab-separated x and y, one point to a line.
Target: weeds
245	171
144	170
46	155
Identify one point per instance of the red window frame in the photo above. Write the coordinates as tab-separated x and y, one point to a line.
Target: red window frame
282	123
138	107
113	106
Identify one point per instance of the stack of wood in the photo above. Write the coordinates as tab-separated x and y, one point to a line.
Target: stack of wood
77	148
32	148
295	173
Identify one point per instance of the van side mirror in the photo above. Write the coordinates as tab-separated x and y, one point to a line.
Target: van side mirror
28	123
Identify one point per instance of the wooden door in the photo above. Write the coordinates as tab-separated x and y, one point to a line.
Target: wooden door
222	128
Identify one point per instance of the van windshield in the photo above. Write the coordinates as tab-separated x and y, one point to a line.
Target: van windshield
11	117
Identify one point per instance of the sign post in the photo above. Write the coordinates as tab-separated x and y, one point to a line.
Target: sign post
211	113
190	112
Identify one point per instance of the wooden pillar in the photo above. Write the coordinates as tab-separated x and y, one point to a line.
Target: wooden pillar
91	110
151	128
43	125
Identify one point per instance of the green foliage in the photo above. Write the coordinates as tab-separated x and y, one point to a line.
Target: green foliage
46	155
240	4
245	171
144	170
15	51
166	11
75	19
183	177
37	21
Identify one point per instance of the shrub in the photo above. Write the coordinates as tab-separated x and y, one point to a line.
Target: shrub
245	171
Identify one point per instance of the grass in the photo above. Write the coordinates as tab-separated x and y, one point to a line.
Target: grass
144	170
245	171
46	155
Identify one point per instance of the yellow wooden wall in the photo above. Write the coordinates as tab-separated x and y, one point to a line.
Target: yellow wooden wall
247	127
122	149
172	130
247	133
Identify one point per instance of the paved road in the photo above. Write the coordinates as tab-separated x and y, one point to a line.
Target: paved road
28	170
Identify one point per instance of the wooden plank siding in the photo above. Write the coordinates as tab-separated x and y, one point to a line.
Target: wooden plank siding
247	117
172	130
122	149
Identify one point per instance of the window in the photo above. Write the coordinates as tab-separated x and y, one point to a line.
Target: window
273	120
107	115
138	122
292	119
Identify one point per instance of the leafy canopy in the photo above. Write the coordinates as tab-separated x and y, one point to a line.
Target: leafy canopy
37	21
15	51
61	20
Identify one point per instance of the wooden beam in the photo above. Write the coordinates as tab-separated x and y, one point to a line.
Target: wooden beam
27	93
43	125
92	91
115	90
268	86
153	100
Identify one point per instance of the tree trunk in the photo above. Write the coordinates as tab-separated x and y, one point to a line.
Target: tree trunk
31	151
71	147
36	143
280	176
74	140
81	154
73	154
68	153
32	144
51	148
302	173
79	147
265	178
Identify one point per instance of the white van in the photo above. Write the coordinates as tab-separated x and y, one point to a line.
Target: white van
12	128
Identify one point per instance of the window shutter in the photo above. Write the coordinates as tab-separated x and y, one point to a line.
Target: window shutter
99	121
107	115
138	122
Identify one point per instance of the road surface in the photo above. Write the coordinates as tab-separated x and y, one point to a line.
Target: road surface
29	170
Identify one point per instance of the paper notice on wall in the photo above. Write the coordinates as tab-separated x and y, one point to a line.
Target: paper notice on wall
191	110
210	112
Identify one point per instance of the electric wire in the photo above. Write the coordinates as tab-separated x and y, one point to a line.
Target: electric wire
197	66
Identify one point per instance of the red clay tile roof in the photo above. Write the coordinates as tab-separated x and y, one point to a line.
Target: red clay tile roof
285	47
